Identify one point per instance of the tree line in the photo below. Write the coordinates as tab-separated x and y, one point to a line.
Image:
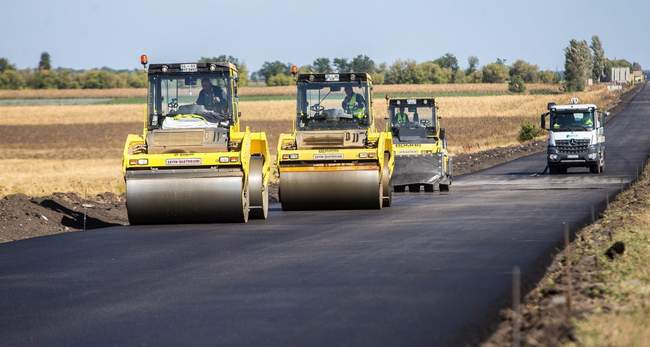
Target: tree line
45	77
445	69
582	63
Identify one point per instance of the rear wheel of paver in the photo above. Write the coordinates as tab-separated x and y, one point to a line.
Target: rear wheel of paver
429	188
443	187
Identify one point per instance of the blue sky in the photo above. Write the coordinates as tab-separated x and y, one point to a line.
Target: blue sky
94	33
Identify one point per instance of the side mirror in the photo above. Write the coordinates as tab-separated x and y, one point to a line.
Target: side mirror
443	134
543	121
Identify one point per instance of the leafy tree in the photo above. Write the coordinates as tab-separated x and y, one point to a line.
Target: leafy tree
6	65
138	80
342	65
516	84
431	72
44	63
322	65
548	77
474	77
67	79
472	65
447	61
274	68
280	79
495	72
577	65
362	63
402	71
598	59
459	76
11	79
242	69
528	131
377	77
528	72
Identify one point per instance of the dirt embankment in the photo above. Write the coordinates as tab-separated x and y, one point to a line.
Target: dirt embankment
23	217
596	292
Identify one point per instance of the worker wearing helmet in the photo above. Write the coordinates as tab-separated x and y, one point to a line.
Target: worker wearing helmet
587	121
212	97
354	103
401	118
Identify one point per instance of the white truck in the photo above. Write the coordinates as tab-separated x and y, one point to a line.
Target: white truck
576	137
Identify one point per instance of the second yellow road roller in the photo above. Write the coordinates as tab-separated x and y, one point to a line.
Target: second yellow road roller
193	162
334	158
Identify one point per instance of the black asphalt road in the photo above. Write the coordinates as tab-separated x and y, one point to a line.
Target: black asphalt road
431	270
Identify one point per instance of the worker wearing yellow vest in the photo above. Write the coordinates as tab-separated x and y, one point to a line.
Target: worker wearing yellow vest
354	103
401	117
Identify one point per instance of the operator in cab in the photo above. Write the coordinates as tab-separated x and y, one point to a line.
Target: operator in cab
354	103
401	117
212	97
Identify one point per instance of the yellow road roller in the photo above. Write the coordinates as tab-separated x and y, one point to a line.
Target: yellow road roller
334	158
193	163
421	157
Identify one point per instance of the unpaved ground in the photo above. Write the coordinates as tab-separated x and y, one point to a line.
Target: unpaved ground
23	217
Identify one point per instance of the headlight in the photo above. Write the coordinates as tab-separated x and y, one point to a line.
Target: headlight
363	155
553	156
592	156
290	156
138	161
224	159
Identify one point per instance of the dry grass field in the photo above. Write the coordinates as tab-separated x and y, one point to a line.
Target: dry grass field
380	90
78	147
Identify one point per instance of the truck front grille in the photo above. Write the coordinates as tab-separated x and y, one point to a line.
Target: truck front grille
572	146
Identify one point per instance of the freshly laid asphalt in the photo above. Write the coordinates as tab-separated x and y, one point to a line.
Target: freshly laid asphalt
433	269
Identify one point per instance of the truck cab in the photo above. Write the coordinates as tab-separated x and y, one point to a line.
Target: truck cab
576	137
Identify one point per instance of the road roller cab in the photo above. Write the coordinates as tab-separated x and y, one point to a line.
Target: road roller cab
421	157
335	158
193	162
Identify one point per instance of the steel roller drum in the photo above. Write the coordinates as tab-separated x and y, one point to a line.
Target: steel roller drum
186	196
414	169
308	188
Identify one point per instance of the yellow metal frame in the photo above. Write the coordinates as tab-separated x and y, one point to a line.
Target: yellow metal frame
250	144
382	139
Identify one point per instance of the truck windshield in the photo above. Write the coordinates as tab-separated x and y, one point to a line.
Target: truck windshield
332	105
412	117
189	100
572	121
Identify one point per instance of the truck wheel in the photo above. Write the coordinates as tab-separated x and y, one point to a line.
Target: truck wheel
595	168
414	188
429	188
399	189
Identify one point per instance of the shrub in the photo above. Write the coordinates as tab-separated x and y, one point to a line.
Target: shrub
528	132
516	84
280	80
11	79
495	73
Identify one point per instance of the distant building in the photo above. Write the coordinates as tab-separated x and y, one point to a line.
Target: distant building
638	76
621	75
